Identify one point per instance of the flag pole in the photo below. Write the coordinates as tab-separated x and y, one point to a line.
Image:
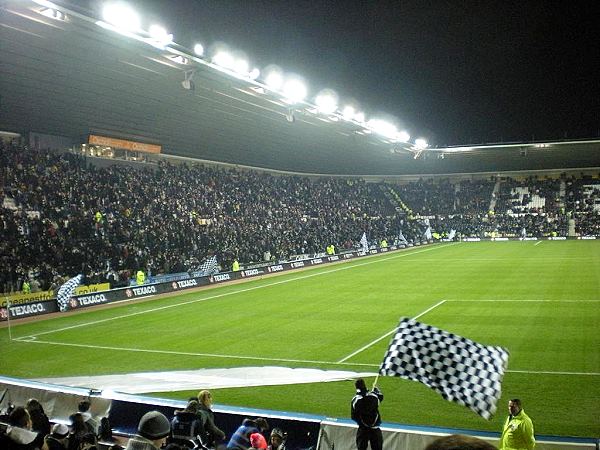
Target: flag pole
375	382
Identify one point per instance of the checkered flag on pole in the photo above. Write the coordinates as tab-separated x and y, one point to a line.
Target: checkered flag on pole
460	370
364	243
66	291
209	266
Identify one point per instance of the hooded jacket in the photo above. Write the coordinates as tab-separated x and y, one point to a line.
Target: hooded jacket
517	433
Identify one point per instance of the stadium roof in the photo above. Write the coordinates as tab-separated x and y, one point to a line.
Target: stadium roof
66	75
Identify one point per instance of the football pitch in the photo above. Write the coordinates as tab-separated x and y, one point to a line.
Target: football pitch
538	299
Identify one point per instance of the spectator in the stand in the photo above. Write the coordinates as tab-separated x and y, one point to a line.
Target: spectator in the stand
79	431
241	438
365	412
459	442
186	427
88	441
517	433
83	408
257	440
214	435
59	438
39	420
152	432
277	439
23	437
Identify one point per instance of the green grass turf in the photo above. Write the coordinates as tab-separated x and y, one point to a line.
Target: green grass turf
539	301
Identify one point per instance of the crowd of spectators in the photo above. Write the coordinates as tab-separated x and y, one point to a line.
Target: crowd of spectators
443	197
67	216
491	225
61	215
582	199
516	196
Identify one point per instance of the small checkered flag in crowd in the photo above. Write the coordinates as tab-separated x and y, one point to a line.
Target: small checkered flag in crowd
457	368
209	266
66	291
364	243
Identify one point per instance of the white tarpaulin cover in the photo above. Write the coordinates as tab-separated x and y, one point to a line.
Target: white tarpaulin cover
184	380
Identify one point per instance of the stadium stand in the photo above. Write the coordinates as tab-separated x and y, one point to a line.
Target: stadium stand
61	215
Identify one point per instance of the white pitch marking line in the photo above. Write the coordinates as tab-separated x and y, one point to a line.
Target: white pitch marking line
491	300
256	358
536	259
547	372
386	334
211	355
174	305
537	243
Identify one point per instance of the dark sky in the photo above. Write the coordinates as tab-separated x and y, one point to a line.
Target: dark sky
456	72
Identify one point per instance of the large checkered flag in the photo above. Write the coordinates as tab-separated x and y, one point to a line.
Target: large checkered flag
209	266
459	369
66	291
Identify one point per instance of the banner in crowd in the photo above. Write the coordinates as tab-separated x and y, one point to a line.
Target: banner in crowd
20	299
34	297
86	289
123	144
28	309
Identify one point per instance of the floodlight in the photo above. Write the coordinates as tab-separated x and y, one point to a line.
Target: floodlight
241	66
359	117
254	73
294	90
223	59
348	112
121	16
274	80
421	143
159	36
199	49
326	101
402	136
383	128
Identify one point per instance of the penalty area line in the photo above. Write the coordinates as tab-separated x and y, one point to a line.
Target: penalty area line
225	294
341	361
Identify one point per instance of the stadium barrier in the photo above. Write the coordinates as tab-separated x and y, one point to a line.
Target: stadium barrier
178	283
305	431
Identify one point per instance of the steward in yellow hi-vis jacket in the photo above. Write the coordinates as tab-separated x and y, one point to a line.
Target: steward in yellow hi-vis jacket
517	433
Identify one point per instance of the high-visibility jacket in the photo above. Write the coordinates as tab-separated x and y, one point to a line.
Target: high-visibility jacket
517	433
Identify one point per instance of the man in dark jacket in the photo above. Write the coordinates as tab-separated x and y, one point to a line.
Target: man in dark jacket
365	412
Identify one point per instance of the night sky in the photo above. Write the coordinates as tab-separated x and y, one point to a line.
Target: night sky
455	72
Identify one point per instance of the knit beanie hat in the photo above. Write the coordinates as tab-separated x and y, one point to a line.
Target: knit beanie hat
154	425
